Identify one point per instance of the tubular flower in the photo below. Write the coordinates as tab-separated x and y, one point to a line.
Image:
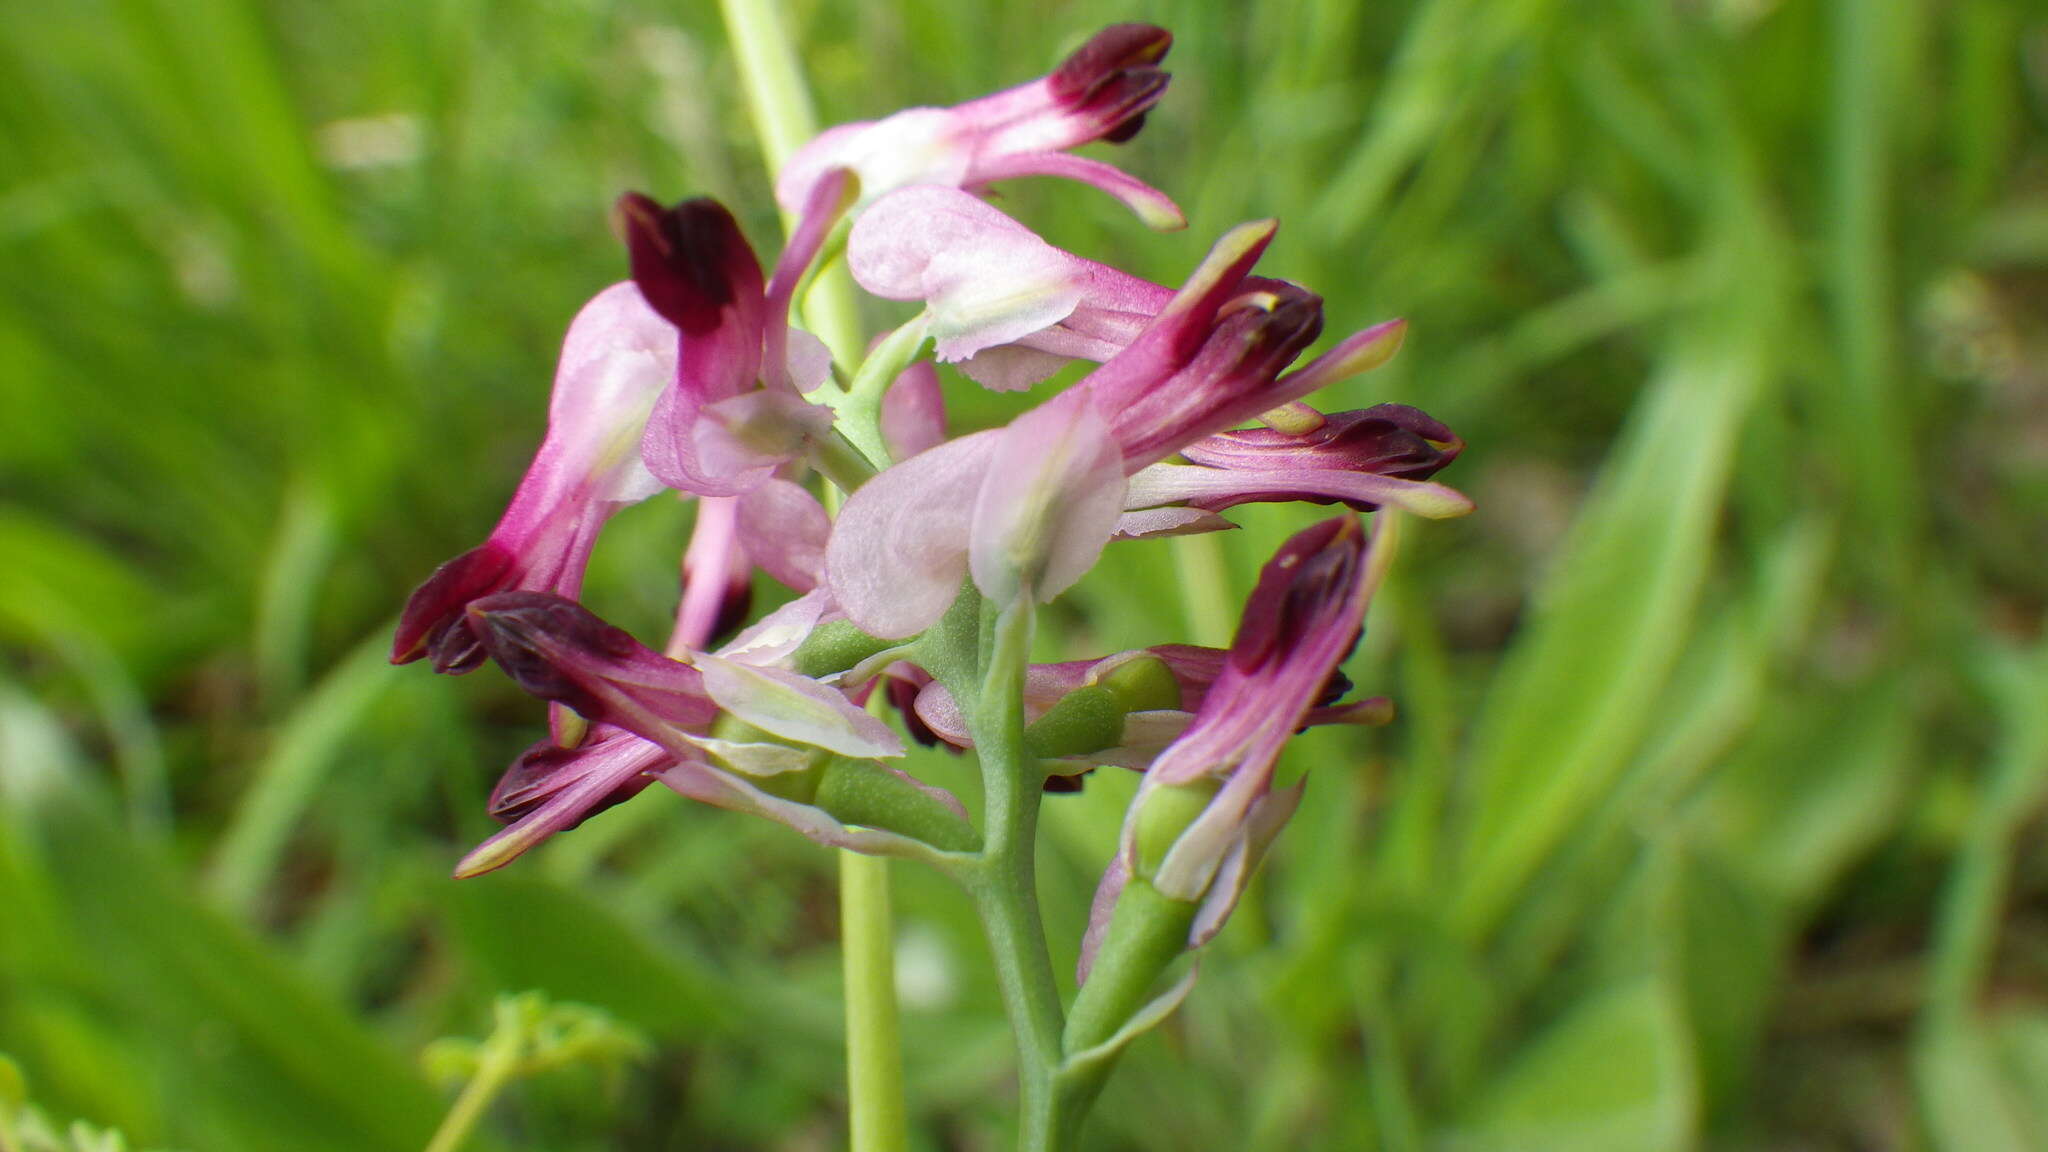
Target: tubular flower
1364	459
729	731
616	361
1045	493
1008	306
735	412
1100	92
1302	619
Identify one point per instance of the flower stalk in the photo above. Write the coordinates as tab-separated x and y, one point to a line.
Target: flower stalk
1005	882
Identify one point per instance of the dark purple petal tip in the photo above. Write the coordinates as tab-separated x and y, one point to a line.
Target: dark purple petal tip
433	625
530	633
1107	56
546	769
690	261
1302	591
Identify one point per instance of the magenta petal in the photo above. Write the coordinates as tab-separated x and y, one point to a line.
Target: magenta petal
898	551
826	202
784	530
1152	206
568	788
1218	488
558	650
432	623
616	360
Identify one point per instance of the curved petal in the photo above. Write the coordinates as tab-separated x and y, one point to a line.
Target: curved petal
898	551
1048	504
784	530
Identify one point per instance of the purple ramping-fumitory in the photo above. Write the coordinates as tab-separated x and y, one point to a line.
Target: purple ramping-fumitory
1207	810
1365	459
1030	506
729	728
617	359
1006	305
736	411
1100	92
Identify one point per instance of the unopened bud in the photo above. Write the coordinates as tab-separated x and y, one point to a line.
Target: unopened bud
1163	814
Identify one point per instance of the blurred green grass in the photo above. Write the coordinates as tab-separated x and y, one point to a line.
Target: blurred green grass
1713	816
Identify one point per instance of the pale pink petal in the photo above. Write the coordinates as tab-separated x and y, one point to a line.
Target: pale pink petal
1148	523
1011	367
740	440
898	551
616	360
986	279
795	708
1264	822
809	361
723	790
784	530
1051	498
781	632
1154	207
1100	910
914	411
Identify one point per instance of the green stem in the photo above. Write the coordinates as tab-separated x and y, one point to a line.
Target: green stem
1005	888
784	120
1204	588
874	1060
495	1070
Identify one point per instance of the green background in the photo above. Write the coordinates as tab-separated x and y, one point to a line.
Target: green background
1713	815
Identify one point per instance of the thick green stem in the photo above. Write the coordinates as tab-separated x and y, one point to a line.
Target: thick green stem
784	119
874	1060
1005	888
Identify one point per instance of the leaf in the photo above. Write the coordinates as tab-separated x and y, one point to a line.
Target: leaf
1968	1100
1614	1073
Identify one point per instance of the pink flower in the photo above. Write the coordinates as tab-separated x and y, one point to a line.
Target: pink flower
1101	92
653	715
735	412
1032	505
1302	619
617	359
1365	459
1007	305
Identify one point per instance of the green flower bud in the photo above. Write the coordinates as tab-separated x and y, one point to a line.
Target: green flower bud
1164	813
1143	684
863	792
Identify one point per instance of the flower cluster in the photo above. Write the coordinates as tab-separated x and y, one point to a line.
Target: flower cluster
692	377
